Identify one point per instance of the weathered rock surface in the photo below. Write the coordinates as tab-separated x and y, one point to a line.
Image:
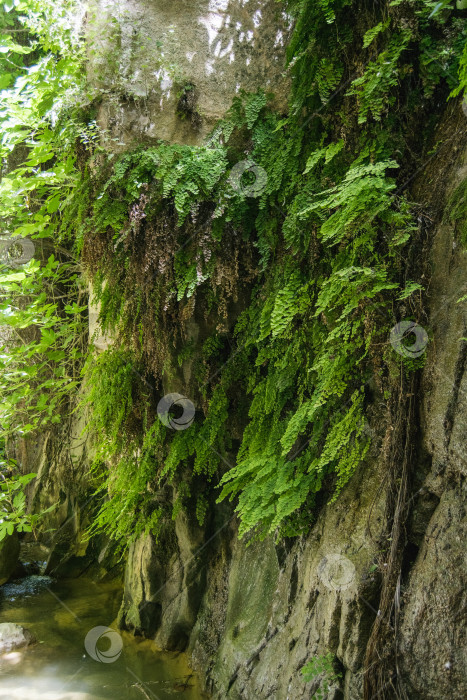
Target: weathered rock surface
61	461
164	584
433	636
9	552
14	637
266	610
253	616
169	69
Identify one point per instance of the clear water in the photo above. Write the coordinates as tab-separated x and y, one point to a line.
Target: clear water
60	614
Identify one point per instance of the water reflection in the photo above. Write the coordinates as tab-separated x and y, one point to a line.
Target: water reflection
60	615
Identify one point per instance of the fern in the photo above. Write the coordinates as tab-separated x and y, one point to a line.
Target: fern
372	33
322	249
461	88
328	77
328	153
361	196
328	8
373	89
253	106
321	667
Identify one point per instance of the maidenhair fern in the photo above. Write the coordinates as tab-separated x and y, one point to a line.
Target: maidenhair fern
372	33
461	89
374	87
361	196
319	252
328	77
295	283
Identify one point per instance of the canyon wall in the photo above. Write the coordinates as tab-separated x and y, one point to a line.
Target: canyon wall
251	615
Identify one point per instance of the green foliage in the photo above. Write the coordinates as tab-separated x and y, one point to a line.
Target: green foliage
374	88
14	47
184	172
321	668
327	153
438	6
168	233
361	196
13	512
189	174
111	377
41	303
329	230
202	507
328	8
461	88
328	77
372	33
441	58
13	505
253	106
410	288
126	441
456	210
43	344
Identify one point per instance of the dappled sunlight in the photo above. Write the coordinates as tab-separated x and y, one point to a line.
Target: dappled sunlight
41	689
12	658
77	657
142	57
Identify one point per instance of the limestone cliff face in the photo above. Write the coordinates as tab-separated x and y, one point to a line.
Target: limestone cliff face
252	616
170	68
432	638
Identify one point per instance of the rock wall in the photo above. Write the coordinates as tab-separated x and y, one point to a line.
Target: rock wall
9	552
61	460
252	616
432	636
169	69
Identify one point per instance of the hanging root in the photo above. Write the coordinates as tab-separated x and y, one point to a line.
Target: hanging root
382	676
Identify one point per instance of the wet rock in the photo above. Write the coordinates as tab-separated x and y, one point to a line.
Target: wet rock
14	637
19	571
432	636
9	552
164	584
25	587
269	610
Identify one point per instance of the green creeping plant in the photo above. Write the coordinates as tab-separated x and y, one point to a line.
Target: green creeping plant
13	505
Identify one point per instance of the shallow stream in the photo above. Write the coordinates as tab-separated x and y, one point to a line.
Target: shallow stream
61	615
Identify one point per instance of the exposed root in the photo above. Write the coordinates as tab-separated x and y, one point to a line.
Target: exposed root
382	676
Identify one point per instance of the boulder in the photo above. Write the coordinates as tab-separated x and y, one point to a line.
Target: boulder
9	553
14	637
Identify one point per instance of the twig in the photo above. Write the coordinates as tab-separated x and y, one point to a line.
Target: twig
140	687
